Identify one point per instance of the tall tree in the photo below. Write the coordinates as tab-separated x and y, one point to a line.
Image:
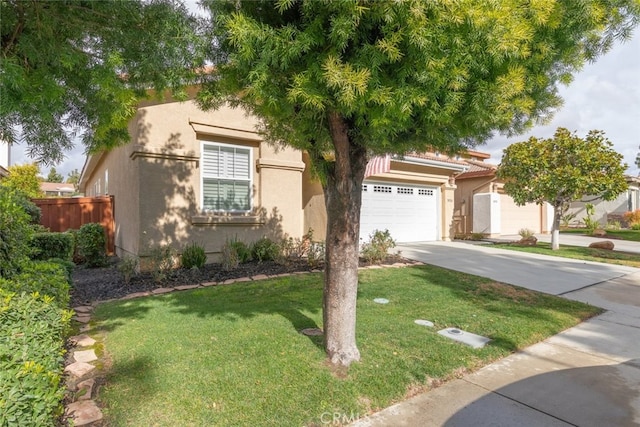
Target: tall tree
24	179
81	66
73	177
561	170
54	176
346	80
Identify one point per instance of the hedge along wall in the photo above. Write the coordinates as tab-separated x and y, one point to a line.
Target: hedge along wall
62	214
33	327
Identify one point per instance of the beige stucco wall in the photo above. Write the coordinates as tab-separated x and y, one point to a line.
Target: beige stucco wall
158	199
511	217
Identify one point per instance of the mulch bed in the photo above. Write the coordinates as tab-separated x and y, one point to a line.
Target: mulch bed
92	285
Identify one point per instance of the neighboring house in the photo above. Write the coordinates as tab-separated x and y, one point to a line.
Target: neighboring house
208	177
607	211
482	206
55	189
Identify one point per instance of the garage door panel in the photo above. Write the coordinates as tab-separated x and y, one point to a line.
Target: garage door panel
410	213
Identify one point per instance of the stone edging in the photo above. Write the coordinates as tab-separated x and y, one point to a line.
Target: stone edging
81	373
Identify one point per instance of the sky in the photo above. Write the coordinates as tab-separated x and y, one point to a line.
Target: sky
605	95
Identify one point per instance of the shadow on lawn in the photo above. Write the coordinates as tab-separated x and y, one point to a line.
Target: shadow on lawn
288	297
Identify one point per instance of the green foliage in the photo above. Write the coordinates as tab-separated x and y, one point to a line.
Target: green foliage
566	218
92	243
23	178
52	245
377	248
562	169
265	249
161	261
242	249
67	265
63	62
46	278
635	226
193	255
129	267
476	236
54	176
589	223
614	225
73	177
403	76
32	334
15	233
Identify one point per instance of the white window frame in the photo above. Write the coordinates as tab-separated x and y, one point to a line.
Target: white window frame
106	182
203	176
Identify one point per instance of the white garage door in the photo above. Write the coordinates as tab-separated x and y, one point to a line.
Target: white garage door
410	213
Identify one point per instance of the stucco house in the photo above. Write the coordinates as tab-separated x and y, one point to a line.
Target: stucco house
482	206
57	189
206	177
608	211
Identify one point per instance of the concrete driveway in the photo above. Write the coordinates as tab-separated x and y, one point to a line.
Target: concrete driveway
542	273
588	375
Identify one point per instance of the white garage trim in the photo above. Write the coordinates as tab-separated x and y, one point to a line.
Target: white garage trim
410	212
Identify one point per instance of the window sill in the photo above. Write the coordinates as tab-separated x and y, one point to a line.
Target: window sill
216	220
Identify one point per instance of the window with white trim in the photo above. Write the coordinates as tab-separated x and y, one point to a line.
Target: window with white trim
226	178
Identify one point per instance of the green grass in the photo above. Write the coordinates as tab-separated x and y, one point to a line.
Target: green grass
578	252
632	235
233	356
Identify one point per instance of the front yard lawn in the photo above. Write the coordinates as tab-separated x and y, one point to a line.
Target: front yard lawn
233	355
633	235
578	252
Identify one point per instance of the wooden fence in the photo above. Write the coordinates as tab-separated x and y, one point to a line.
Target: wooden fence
62	214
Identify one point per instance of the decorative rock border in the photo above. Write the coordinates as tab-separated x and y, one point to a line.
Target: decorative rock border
82	374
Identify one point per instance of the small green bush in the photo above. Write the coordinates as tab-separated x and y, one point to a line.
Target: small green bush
129	267
52	245
46	278
265	249
92	242
635	226
243	251
377	248
193	255
15	233
32	335
614	225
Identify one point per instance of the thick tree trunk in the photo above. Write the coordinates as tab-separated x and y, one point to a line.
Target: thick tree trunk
555	230
343	198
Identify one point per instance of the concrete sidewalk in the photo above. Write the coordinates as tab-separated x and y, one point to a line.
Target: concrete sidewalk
588	375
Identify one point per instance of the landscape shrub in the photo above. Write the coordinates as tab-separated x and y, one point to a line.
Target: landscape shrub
34	212
265	249
161	261
193	255
15	233
92	242
129	267
49	245
525	233
44	277
315	254
614	225
632	218
229	256
33	329
67	265
377	248
589	223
